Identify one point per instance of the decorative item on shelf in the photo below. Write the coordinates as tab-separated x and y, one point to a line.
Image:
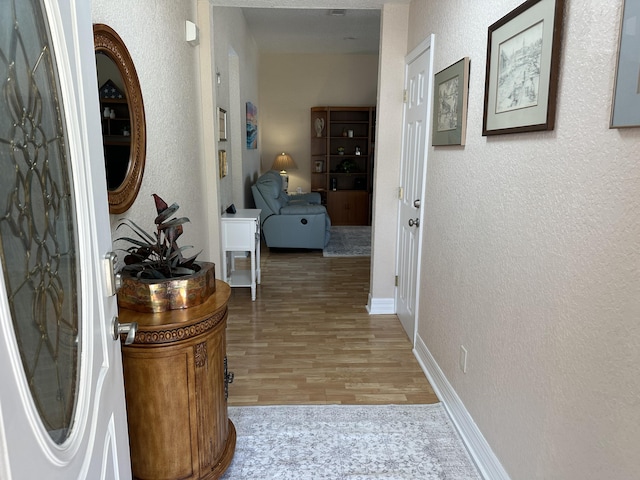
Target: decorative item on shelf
357	151
110	90
112	114
347	166
344	132
340	150
319	126
126	131
284	162
107	112
156	277
334	183
319	166
350	133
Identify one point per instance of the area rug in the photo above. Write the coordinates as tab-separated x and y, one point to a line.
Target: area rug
352	442
349	241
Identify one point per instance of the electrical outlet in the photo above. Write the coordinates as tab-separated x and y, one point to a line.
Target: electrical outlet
463	359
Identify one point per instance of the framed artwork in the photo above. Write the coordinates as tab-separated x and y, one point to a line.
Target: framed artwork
222	125
222	163
252	126
523	56
450	104
625	107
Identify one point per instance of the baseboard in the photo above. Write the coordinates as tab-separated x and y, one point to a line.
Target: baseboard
381	306
482	454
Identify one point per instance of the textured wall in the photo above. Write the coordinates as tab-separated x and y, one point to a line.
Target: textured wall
531	257
393	47
291	84
236	59
168	71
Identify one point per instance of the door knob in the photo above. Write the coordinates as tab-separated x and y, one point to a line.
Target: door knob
416	203
413	222
129	328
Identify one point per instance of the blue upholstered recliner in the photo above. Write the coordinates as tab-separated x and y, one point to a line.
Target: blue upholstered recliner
296	221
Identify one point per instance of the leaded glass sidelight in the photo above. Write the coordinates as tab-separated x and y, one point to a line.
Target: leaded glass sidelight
38	237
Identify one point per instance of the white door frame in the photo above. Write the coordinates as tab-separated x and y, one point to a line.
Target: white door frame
427	44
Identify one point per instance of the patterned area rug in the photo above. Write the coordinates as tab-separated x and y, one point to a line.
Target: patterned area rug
336	442
349	241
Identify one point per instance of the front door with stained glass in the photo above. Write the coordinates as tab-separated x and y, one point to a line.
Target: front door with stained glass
61	402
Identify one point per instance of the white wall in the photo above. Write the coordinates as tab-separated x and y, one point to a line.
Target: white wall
531	257
393	47
236	59
290	85
179	102
169	78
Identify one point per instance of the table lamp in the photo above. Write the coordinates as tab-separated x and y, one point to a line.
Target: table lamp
284	162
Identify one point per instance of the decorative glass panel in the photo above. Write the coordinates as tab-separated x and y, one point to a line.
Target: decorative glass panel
38	237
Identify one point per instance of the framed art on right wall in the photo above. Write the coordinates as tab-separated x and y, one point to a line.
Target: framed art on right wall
625	107
523	55
450	104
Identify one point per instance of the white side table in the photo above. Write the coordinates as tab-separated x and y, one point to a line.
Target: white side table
241	233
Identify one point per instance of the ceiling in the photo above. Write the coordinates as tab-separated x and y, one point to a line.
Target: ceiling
320	31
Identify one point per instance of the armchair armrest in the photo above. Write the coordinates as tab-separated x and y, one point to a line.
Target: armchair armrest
312	197
303	209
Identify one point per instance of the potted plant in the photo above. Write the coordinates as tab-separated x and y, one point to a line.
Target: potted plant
156	276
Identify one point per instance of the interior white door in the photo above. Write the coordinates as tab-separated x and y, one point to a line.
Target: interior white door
62	409
418	85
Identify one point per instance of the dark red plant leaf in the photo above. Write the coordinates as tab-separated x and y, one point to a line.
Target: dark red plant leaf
161	205
136	256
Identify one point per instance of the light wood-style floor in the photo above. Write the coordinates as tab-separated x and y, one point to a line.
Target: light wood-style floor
308	339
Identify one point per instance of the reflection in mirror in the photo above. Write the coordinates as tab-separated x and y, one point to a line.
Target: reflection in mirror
116	130
122	117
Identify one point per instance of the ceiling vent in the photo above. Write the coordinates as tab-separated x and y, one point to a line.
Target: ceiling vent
338	12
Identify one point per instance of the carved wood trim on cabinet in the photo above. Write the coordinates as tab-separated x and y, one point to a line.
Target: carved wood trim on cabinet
174	376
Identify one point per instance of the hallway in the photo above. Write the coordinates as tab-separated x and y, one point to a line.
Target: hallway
308	339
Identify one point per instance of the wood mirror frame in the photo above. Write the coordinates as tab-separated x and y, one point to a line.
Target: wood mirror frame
107	41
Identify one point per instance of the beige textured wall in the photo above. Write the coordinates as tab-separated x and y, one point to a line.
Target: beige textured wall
393	47
290	85
167	67
531	258
236	59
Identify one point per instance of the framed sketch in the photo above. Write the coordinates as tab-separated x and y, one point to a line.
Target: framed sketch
625	107
523	56
450	94
222	125
222	163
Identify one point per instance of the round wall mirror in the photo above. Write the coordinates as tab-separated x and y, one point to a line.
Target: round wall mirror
122	118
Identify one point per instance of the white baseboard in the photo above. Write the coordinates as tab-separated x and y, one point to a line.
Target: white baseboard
381	306
482	454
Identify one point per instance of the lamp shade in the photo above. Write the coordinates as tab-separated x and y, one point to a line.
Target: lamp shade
284	162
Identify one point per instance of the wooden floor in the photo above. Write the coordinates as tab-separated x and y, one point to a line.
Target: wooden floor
308	339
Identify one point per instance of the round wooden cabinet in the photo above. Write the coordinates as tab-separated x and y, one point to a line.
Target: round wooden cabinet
175	377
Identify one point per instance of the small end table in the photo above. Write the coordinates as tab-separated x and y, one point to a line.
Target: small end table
241	233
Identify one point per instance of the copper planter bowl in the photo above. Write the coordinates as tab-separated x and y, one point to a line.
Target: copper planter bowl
143	295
